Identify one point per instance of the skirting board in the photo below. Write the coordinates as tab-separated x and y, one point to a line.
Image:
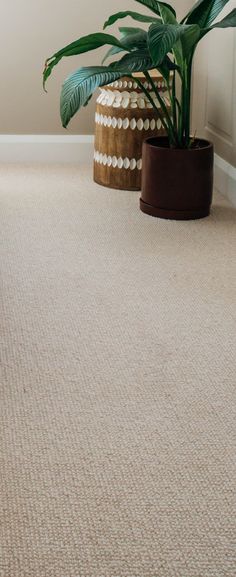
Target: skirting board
46	148
225	179
79	148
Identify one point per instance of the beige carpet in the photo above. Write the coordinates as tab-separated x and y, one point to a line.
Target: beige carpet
118	384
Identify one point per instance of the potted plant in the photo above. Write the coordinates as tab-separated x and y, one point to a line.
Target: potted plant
177	169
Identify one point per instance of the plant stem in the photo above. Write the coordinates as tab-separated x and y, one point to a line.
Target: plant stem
172	96
147	93
188	103
185	117
170	130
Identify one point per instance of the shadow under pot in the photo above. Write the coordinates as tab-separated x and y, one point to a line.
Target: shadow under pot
177	183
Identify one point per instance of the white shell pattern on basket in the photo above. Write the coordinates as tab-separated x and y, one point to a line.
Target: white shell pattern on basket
126	99
127	163
125	123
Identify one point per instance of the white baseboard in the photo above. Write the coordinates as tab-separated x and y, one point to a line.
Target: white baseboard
79	148
46	148
225	179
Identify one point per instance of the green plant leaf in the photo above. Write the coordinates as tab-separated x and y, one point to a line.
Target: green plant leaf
79	86
189	36
112	51
131	39
189	40
161	39
136	61
135	15
84	44
227	22
167	15
169	18
153	5
48	70
166	67
204	12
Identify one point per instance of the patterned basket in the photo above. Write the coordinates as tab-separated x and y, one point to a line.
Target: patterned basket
124	118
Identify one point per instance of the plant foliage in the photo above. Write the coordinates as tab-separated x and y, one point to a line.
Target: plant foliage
167	45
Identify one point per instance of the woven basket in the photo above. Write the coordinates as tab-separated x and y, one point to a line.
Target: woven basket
124	118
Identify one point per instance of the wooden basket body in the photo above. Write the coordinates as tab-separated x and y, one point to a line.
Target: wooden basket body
124	119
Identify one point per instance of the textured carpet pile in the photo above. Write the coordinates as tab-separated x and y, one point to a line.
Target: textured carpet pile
118	379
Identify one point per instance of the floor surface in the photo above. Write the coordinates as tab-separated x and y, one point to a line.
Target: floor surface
117	409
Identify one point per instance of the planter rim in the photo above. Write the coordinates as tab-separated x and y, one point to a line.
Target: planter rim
149	142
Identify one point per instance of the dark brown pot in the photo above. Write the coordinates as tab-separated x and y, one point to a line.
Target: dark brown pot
177	183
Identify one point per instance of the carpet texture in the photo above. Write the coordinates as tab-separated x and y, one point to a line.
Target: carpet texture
118	383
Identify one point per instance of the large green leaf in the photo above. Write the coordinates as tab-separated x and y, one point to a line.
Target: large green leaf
161	39
190	36
112	52
190	39
135	15
166	14
137	61
154	5
169	18
84	44
204	12
131	39
79	86
227	22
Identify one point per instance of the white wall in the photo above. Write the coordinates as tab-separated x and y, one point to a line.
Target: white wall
214	104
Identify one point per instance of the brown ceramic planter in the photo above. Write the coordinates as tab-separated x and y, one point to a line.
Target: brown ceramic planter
177	183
